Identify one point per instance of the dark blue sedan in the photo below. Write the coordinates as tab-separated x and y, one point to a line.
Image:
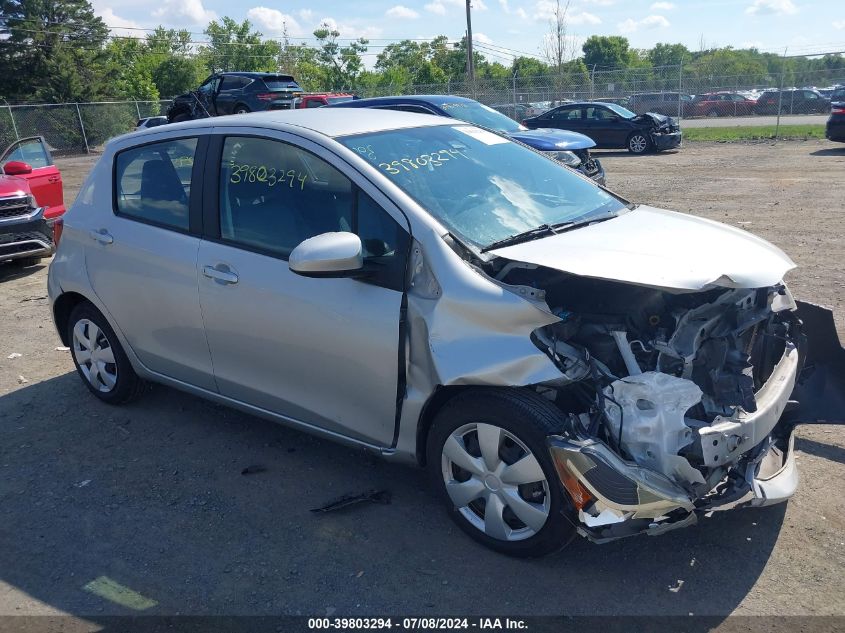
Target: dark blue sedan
571	148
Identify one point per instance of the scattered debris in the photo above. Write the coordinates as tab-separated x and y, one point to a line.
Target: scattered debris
62	348
375	496
83	483
677	587
39	298
252	470
22	380
14	355
692	562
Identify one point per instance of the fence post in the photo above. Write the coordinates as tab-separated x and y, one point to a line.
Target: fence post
82	127
780	92
592	82
448	85
680	87
14	125
515	116
137	109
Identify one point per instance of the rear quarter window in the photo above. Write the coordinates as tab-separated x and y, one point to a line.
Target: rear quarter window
153	182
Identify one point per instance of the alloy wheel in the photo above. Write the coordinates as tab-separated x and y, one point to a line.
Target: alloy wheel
495	482
638	143
94	355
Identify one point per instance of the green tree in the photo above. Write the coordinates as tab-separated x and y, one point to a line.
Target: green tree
128	74
668	54
52	50
605	52
341	65
235	46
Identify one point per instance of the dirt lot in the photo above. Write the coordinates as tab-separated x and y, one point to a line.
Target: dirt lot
151	496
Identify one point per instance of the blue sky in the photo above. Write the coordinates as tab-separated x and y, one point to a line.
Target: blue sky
513	26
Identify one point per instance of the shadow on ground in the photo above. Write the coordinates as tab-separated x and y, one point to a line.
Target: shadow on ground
150	498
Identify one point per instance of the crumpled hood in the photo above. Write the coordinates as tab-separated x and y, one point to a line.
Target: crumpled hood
548	140
662	249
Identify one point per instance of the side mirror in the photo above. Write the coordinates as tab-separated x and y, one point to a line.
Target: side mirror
17	168
328	255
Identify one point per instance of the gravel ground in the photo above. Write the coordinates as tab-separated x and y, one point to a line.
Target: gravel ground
151	496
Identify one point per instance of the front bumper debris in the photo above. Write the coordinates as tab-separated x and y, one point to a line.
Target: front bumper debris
666	140
617	498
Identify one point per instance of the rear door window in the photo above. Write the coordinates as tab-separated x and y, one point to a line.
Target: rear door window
153	182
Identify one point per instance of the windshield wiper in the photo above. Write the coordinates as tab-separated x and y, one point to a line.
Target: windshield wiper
525	236
544	229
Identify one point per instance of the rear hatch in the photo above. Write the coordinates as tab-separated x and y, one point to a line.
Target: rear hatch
282	92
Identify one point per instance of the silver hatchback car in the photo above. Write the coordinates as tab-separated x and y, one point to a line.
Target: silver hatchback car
562	361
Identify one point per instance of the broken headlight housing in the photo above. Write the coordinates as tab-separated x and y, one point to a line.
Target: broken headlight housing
570	159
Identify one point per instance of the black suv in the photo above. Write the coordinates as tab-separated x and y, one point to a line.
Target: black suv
835	128
792	101
236	93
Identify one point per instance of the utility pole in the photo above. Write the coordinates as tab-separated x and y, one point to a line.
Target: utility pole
470	65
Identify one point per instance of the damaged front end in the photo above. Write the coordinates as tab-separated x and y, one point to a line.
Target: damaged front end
664	131
675	401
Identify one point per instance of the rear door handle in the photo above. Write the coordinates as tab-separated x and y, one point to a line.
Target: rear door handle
102	236
220	273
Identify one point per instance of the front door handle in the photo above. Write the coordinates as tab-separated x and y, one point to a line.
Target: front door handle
221	274
102	236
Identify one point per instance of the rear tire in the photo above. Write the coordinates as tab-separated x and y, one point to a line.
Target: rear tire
242	109
519	512
99	358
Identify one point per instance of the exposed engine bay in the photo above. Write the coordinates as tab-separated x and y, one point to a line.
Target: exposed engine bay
672	398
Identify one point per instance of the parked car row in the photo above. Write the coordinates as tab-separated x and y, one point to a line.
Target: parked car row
731	102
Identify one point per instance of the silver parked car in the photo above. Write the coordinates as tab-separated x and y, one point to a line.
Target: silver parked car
561	360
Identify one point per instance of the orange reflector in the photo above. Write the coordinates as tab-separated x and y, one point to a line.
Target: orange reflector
579	494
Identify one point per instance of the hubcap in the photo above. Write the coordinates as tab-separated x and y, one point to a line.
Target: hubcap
638	143
95	356
495	482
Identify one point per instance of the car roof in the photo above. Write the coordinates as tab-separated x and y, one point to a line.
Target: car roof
330	122
435	99
252	75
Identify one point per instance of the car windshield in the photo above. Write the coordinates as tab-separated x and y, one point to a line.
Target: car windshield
838	94
625	113
481	186
479	114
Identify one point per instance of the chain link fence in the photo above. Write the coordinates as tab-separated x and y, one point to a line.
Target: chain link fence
683	90
74	128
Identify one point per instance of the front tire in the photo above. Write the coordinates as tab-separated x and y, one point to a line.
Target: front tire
99	358
488	459
638	143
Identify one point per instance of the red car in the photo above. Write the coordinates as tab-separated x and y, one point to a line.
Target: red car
722	104
318	100
31	202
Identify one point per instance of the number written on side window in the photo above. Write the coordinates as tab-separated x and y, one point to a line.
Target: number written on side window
153	182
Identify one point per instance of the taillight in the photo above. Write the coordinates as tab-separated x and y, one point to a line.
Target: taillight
58	227
265	96
838	110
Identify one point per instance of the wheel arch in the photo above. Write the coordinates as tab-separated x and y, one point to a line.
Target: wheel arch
436	401
62	307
